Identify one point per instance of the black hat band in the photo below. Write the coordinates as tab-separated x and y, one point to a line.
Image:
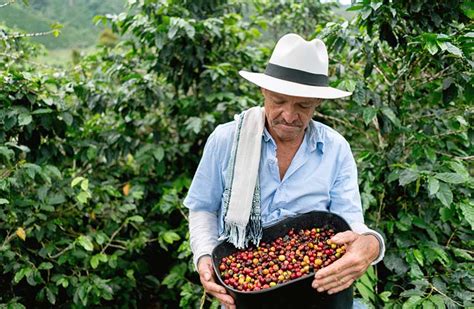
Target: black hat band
296	76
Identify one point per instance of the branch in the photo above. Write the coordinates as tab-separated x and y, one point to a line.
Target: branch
7	239
113	236
203	299
375	121
434	288
465	158
118	247
451	237
345	123
383	75
7	3
71	245
182	212
25	35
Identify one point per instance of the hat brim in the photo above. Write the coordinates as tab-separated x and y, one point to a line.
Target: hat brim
291	88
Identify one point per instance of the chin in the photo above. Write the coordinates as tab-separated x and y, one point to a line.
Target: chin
285	136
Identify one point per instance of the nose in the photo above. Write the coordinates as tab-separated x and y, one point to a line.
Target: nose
289	113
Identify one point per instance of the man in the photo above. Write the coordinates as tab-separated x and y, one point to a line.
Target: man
302	165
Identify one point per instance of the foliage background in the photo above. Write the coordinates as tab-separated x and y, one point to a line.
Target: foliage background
95	159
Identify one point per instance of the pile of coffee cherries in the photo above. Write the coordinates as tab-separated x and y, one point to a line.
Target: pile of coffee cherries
284	259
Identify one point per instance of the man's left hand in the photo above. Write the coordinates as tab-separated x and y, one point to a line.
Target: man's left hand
361	250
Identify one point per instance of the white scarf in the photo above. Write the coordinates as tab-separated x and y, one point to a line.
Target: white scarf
241	204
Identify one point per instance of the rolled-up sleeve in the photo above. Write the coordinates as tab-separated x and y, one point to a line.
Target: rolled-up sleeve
346	202
207	186
205	194
344	193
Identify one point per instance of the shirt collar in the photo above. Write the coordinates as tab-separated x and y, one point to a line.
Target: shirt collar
316	137
313	136
267	136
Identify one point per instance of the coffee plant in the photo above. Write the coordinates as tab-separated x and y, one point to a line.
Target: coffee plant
96	158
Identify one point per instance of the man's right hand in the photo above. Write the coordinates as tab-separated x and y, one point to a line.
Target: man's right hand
206	274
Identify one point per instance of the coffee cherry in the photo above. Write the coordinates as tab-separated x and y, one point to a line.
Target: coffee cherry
295	255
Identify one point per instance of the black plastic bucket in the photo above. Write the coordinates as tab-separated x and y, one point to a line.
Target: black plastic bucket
297	293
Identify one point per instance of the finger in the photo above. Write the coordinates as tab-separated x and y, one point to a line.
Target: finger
341	287
334	282
206	275
324	282
225	299
213	287
345	262
344	237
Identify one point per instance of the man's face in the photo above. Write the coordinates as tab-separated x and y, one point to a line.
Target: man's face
288	116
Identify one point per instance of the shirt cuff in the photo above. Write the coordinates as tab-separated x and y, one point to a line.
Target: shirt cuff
361	228
203	233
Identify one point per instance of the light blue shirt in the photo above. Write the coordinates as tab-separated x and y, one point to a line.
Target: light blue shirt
321	176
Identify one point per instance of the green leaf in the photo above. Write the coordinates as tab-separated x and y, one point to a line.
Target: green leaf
174	27
45	265
446	213
101	257
451	178
468	212
170	237
432	47
53	171
63	281
50	296
453	49
391	116
4	201
462	254
85	242
366	13
412	302
85	184
348	84
83	196
438	300
355	7
159	153
468	9
68	119
26	271
458	168
415	271
94	262
440	254
76	180
6	153
445	195
418	256
369	114
384	296
137	219
433	186
427	304
408	176
364	291
194	124
430	154
55	199
396	264
24	119
176	275
375	5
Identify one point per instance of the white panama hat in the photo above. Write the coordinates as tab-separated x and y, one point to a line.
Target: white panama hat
298	68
